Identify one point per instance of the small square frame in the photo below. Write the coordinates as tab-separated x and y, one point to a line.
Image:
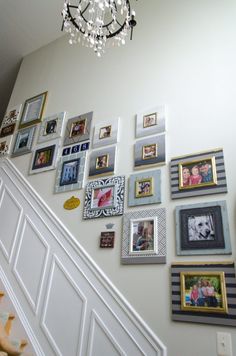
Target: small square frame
33	110
78	129
44	158
107	239
151	121
102	162
138	182
23	141
208	226
104	198
154	157
106	133
9	121
78	181
51	127
133	249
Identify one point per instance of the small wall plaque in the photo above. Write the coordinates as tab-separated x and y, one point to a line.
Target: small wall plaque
71	203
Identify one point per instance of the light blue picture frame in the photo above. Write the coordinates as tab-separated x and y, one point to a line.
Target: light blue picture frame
155	178
227	250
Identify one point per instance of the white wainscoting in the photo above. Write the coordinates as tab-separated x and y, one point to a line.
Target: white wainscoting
65	302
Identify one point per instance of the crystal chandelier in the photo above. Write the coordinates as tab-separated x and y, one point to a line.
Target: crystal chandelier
92	22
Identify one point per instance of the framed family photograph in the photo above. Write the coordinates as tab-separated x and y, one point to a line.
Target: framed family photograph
198	174
151	121
202	229
23	141
78	129
204	292
102	162
9	121
44	158
150	152
104	198
107	239
33	110
51	127
106	133
145	188
144	237
70	172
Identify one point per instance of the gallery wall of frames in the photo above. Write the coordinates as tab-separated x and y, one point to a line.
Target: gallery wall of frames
201	292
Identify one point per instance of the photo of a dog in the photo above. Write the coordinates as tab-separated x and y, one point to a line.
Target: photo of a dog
201	228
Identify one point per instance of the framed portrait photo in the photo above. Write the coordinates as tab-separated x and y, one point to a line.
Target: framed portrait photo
106	133
33	110
104	198
151	121
51	127
23	141
78	129
44	158
70	172
144	237
198	174
102	162
9	121
202	229
145	188
204	292
150	152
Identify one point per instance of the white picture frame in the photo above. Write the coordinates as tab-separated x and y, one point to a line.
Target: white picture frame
151	121
106	133
51	127
44	157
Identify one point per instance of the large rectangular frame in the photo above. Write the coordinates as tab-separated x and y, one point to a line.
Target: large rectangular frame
219	186
118	186
29	118
81	158
158	255
221	244
204	317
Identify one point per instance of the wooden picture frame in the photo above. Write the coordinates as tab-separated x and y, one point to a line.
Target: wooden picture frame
144	237
202	229
78	129
104	198
150	152
33	110
23	141
151	121
44	157
51	127
107	239
70	172
209	178
185	275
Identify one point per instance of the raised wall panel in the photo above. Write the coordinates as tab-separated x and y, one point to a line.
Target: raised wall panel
10	214
30	262
64	313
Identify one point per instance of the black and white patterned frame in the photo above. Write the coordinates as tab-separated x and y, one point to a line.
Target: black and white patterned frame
158	256
118	207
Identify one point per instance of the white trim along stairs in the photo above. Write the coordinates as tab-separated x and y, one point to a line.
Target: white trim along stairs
67	305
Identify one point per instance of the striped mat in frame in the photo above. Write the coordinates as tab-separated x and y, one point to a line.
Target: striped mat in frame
221	186
228	268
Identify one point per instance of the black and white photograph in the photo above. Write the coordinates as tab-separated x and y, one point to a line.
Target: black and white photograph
201	227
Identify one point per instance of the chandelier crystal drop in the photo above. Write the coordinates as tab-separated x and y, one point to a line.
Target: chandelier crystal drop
93	22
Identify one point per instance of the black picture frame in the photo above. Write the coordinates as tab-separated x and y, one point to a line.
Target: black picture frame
48	161
218	242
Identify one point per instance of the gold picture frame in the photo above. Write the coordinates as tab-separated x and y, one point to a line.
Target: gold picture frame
197	173
105	132
144	187
102	161
203	291
150	120
78	128
33	110
149	151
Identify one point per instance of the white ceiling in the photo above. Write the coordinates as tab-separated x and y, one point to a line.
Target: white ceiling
25	25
